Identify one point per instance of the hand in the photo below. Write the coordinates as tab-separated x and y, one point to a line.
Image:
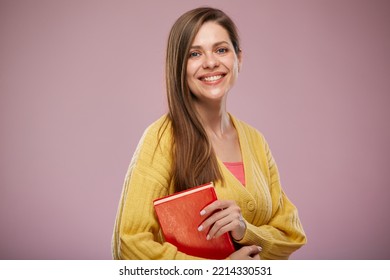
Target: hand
223	216
246	253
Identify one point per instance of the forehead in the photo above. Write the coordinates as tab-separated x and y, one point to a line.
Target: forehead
209	33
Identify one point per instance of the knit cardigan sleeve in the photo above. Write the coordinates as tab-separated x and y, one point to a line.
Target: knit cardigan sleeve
282	233
137	233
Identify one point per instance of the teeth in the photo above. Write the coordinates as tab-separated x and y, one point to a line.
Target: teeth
212	78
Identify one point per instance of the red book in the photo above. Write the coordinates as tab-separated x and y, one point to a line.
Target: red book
179	218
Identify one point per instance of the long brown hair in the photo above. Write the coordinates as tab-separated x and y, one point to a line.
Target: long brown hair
194	160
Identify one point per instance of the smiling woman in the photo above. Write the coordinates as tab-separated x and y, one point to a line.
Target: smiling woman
213	65
197	142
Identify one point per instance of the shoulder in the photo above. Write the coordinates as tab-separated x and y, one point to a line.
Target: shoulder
156	142
155	127
158	132
248	131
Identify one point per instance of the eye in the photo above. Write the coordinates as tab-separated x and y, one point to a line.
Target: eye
194	54
222	50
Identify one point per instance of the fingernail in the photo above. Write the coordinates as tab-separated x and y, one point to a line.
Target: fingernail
260	249
200	228
208	237
202	212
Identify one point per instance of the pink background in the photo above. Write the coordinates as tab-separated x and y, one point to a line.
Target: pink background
81	80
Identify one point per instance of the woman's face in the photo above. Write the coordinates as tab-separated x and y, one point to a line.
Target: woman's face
213	65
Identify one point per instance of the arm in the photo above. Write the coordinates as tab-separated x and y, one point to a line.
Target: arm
279	235
283	234
137	232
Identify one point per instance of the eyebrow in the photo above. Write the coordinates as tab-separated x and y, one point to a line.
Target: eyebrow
214	45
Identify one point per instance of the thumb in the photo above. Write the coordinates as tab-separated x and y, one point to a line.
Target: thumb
253	250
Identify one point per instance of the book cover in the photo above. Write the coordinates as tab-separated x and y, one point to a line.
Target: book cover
179	218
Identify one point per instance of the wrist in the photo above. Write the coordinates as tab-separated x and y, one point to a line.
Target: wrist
238	237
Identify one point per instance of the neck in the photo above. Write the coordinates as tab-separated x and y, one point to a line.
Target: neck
214	118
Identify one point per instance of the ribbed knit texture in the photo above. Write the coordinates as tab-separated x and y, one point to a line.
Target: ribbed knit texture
272	220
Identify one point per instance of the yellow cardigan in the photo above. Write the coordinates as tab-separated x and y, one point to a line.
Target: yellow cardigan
272	220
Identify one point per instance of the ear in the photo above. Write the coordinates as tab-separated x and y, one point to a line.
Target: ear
239	56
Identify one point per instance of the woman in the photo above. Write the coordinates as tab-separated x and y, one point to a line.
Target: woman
197	142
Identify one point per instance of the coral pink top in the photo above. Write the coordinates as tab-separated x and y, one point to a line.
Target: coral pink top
237	169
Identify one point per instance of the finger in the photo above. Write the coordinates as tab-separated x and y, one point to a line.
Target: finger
234	223
213	219
220	227
214	206
254	250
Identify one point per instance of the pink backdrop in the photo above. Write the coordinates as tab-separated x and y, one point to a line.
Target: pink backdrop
81	80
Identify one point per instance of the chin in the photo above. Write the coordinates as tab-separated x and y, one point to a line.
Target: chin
213	97
215	94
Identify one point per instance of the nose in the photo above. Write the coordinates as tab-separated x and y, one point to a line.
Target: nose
210	61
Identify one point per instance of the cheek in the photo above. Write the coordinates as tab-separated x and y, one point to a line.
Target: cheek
191	69
231	62
234	68
190	77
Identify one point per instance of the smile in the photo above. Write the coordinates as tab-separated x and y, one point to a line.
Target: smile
212	78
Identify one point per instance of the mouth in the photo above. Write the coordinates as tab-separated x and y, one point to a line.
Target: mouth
212	78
